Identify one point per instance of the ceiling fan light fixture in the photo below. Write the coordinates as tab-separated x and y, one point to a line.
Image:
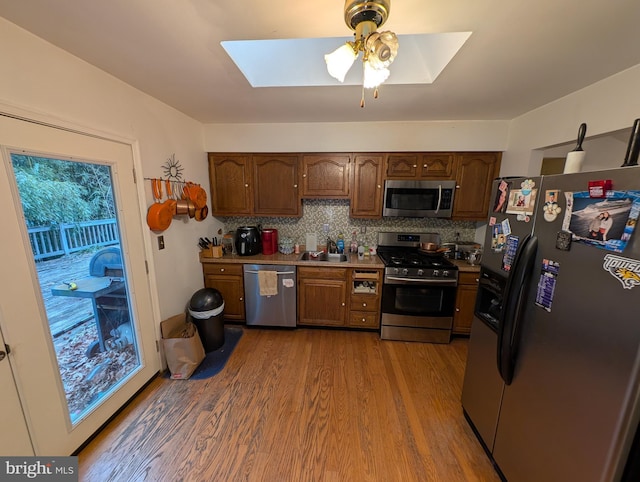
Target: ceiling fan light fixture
373	77
340	61
379	49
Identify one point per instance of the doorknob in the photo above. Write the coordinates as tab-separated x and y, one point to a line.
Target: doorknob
2	355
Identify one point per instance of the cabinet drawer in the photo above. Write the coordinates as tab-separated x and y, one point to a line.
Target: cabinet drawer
223	268
364	319
468	278
322	273
364	302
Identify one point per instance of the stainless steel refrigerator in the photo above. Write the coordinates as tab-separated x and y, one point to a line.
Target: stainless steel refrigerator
552	383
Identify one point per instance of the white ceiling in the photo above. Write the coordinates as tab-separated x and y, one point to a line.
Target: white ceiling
521	54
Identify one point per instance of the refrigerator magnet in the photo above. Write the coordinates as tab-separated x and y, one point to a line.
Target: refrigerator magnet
501	197
563	240
510	252
550	209
625	270
498	238
547	284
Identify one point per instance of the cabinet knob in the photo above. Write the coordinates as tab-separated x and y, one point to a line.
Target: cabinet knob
241	298
364	304
425	166
295	185
342	304
415	165
363	320
221	270
457	310
457	186
246	185
379	186
304	175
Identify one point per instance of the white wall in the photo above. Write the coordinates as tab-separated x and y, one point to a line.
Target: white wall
609	105
38	77
358	137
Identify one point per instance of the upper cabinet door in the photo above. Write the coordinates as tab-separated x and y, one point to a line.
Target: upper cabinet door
402	166
275	186
474	175
366	198
325	175
230	178
437	165
420	165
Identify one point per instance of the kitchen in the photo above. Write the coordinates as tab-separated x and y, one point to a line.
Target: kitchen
81	95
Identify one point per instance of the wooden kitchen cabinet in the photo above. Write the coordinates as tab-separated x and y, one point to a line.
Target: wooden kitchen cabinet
325	175
365	296
275	185
366	186
230	182
322	299
420	165
474	175
465	303
228	280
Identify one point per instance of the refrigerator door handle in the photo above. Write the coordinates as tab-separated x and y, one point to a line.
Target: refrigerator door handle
510	321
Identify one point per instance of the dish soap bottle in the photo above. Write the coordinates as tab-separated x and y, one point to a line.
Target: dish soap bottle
354	243
340	243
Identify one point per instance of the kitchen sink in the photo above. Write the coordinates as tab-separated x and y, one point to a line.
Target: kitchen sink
322	256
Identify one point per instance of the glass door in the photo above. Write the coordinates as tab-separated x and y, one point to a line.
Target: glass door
76	307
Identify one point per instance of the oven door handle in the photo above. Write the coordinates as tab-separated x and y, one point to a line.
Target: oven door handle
439	197
440	282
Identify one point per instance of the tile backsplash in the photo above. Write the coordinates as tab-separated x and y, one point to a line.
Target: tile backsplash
335	213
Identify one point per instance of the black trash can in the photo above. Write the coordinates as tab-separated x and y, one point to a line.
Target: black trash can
206	309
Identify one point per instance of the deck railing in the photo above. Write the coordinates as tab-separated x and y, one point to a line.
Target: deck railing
52	241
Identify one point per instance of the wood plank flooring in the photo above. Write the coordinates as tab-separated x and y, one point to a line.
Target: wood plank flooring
301	405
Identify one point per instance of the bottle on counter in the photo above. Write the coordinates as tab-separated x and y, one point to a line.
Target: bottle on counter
340	243
354	243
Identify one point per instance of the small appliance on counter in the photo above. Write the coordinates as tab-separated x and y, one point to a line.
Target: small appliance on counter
247	241
269	241
460	249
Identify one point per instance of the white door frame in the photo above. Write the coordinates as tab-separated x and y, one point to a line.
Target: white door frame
36	410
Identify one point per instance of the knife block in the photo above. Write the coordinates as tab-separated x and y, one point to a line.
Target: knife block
212	252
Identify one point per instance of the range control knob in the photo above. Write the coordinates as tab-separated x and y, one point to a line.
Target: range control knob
405	271
420	272
436	272
445	273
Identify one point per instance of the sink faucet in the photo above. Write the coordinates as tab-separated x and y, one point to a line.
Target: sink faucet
331	246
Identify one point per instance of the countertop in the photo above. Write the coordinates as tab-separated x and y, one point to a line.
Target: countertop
464	267
293	259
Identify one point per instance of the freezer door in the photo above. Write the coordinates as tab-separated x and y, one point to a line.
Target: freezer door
506	193
482	387
567	412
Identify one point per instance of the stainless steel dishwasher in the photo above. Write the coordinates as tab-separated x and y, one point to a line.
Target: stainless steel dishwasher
277	308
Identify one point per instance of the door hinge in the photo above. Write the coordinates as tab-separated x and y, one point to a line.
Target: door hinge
146	266
135	178
7	348
157	346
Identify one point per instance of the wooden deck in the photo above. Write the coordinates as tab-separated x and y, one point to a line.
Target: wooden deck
64	313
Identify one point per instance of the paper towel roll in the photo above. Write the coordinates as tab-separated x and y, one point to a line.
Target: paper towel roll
574	162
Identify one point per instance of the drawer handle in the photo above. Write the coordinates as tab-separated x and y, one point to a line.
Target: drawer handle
342	304
221	270
424	165
363	320
241	299
457	310
415	165
364	304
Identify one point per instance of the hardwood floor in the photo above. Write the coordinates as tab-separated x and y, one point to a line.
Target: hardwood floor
302	405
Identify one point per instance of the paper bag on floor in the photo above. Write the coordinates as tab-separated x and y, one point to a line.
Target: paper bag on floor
182	345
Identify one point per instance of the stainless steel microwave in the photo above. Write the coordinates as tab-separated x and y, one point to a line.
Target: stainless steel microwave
418	199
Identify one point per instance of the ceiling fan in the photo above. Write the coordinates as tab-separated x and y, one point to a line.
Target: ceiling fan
379	49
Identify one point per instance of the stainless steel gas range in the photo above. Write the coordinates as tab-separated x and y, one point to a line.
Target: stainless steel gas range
418	291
